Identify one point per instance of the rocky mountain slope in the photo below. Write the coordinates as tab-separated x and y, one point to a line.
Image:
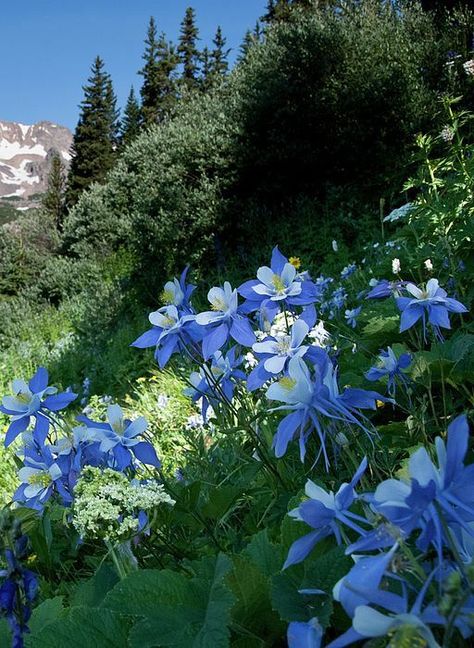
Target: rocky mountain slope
25	157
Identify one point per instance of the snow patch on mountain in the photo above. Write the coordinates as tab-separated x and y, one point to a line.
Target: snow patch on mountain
26	152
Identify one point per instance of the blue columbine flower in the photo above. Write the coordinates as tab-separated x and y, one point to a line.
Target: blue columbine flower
40	477
33	400
171	331
277	284
119	439
431	303
352	315
325	512
316	403
178	293
432	491
223	321
391	366
275	352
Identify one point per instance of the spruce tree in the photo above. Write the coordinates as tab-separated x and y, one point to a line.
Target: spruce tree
131	121
187	49
158	91
95	137
219	62
245	46
206	69
54	199
167	63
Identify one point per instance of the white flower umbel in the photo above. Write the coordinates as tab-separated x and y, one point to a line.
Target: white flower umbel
107	504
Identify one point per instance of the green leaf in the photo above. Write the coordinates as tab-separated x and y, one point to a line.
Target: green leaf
252	610
91	593
268	557
381	326
91	627
220	500
322	573
47	612
180	611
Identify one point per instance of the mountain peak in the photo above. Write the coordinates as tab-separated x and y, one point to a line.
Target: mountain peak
25	156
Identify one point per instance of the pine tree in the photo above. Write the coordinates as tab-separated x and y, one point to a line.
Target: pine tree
219	62
54	199
158	91
189	54
131	122
95	137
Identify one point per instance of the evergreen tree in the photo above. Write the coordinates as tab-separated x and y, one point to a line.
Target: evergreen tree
219	62
257	32
167	63
54	199
149	90
113	113
206	69
442	6
95	137
131	122
158	91
187	49
247	43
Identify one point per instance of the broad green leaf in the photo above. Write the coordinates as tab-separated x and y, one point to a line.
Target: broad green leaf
180	611
85	627
252	610
47	612
268	557
91	593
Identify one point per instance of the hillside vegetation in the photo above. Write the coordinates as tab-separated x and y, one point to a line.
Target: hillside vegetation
258	331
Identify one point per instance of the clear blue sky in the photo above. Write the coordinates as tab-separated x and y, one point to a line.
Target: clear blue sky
47	47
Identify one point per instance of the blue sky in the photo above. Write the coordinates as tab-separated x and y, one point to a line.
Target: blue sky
47	47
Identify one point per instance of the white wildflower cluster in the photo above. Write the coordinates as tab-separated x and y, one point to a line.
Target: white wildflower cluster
250	361
469	67
282	323
319	335
396	266
107	504
447	134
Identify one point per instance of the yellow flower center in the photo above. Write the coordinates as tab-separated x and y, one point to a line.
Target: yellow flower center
23	398
278	283
218	304
167	297
168	321
40	479
295	262
380	404
287	383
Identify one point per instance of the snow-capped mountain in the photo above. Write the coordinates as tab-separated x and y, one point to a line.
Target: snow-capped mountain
25	156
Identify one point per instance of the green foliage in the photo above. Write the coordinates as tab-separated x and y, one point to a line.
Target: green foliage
177	610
